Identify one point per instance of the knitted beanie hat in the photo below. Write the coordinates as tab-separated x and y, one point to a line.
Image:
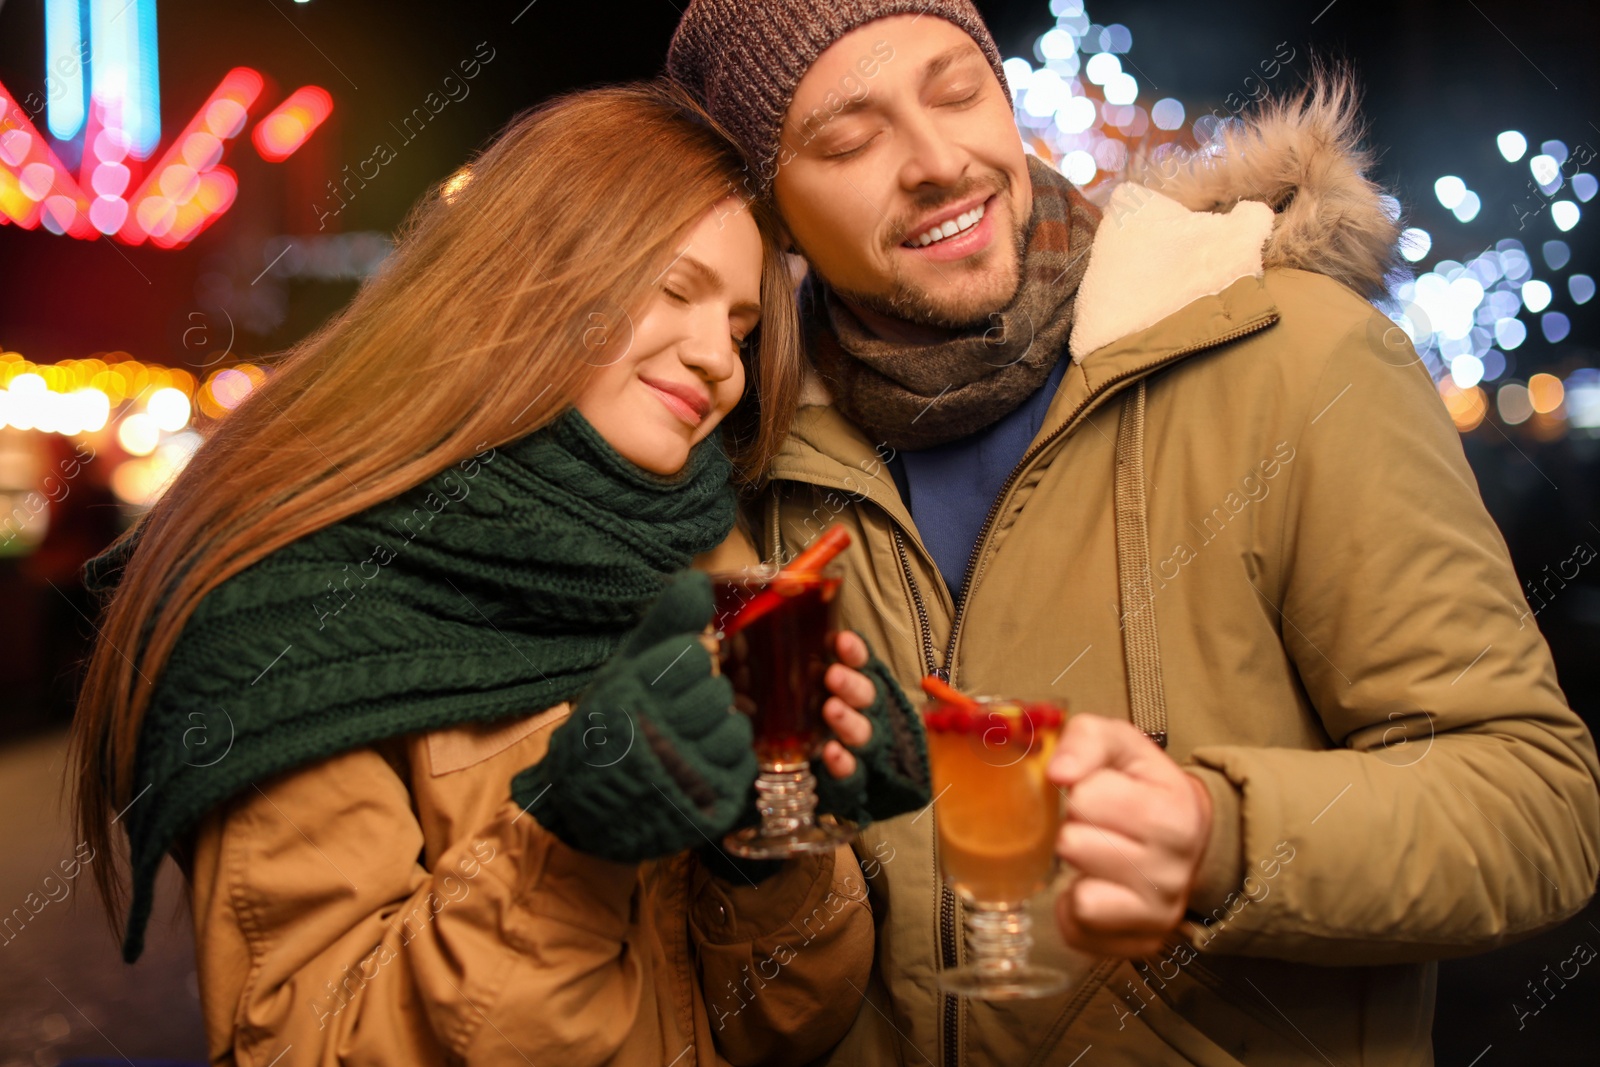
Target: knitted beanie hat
742	59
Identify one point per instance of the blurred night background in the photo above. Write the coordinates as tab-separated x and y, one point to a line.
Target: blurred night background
218	178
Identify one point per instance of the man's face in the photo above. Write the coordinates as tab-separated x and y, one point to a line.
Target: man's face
899	127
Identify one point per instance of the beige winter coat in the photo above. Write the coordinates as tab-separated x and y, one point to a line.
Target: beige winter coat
393	906
1246	487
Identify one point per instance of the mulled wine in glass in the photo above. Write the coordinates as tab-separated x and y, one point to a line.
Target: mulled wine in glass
776	633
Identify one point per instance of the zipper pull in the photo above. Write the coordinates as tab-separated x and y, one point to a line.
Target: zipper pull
941	673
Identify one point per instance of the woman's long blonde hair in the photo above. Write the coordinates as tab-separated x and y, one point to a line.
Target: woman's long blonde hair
480	328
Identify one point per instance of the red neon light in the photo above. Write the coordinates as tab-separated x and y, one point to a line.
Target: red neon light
213	194
165	208
35	188
287	126
168	203
107	172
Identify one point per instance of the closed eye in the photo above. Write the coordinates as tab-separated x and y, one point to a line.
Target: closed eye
848	152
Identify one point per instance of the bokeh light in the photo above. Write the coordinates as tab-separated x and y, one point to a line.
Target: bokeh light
1467	406
1545	393
1510	333
138	434
1512	145
1583	398
1555	326
1494	364
169	409
1546	171
1513	404
1415	243
1536	296
1450	190
1466	370
1167	114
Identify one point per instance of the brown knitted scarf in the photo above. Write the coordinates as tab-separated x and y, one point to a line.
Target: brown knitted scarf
917	395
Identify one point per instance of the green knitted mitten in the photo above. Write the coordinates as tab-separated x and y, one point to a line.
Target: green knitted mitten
653	759
891	775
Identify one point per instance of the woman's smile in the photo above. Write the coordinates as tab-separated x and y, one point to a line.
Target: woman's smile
687	402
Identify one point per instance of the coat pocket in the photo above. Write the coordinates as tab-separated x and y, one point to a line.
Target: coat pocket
1213	1019
1145	1004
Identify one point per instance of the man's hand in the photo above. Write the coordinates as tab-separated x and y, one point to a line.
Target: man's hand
1135	831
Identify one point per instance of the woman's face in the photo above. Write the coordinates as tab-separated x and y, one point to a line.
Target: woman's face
678	372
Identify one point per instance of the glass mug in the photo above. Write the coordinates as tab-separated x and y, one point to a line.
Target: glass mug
775	656
997	817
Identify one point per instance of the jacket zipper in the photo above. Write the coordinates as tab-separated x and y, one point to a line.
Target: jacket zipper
946	672
950	1007
1033	453
775	530
948	961
920	607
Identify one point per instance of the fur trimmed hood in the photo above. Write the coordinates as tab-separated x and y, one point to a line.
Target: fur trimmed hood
1285	187
1302	157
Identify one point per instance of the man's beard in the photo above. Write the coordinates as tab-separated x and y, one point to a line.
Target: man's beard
912	303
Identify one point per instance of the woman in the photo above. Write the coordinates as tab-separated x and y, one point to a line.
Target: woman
376	593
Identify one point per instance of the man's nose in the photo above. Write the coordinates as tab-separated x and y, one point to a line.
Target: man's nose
932	157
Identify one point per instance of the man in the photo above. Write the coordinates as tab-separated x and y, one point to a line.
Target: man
1170	466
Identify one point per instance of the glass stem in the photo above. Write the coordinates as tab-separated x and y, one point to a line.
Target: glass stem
786	796
999	938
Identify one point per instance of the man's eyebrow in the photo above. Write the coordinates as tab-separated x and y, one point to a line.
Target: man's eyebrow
714	279
935	67
853	105
941	62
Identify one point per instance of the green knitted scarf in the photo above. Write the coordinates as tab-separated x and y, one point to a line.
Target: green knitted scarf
496	588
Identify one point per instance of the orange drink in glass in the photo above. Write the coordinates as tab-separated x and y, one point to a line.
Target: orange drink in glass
997	818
